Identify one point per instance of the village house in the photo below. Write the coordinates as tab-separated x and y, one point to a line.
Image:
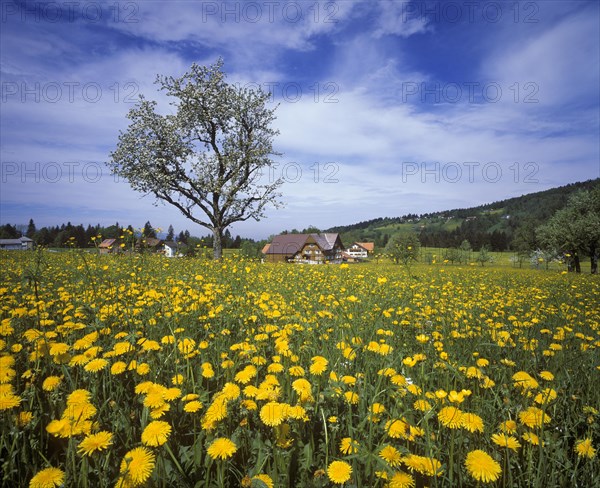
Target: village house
170	249
20	244
149	244
109	246
359	251
305	248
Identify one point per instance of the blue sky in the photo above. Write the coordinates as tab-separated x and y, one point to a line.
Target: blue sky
385	108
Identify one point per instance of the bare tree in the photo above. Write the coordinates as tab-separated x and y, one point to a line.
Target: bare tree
208	158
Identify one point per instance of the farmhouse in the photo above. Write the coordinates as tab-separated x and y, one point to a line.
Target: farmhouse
305	248
151	244
359	250
20	244
108	246
170	249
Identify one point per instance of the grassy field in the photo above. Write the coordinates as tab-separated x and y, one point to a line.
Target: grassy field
143	371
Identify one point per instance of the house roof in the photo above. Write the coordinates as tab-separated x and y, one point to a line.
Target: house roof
153	242
107	243
290	244
171	244
20	240
369	246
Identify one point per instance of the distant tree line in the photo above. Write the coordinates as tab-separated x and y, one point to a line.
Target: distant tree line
78	236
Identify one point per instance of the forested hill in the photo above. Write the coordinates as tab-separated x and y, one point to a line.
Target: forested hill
503	225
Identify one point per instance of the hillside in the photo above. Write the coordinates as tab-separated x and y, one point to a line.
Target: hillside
503	225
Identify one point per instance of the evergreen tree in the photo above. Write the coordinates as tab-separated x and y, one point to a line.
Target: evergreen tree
170	233
30	229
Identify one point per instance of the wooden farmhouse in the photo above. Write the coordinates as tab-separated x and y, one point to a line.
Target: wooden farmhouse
305	248
109	246
20	244
359	251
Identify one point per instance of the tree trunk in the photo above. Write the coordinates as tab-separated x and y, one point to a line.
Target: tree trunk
594	261
576	262
217	243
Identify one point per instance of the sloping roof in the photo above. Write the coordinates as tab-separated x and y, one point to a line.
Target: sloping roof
107	243
369	246
288	244
325	241
153	242
10	242
171	244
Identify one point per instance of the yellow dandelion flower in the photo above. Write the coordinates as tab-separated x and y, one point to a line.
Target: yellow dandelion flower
471	422
95	442
482	466
296	371
303	389
396	428
584	448
391	455
507	441
318	366
51	383
246	375
546	375
508	426
546	396
48	478
172	394
524	381
339	472
142	369
272	414
348	446
137	466
424	465
422	405
265	478
24	418
450	417
96	365
401	480
222	448
192	407
117	368
158	412
275	368
533	417
177	380
351	397
207	370
531	438
156	433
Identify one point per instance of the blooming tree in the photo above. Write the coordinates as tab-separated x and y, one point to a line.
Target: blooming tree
207	158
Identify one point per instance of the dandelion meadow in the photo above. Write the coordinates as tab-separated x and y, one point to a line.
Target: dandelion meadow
144	371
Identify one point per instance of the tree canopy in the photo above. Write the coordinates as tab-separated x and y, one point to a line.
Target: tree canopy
575	229
208	157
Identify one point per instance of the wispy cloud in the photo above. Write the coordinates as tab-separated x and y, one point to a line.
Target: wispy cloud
364	87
